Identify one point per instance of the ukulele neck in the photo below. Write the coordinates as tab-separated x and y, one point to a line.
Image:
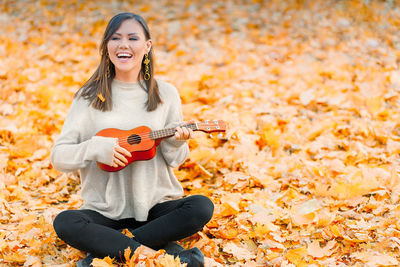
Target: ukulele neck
170	131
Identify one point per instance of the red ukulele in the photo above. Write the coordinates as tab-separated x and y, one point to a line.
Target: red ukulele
142	141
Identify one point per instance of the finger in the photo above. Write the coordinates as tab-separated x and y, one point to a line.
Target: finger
119	162
114	164
178	133
123	151
177	136
185	133
120	157
179	130
191	133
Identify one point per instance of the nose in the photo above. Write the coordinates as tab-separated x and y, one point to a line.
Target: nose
123	43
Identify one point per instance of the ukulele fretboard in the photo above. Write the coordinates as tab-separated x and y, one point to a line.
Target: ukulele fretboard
170	131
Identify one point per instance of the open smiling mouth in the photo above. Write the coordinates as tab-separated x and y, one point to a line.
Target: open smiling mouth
124	55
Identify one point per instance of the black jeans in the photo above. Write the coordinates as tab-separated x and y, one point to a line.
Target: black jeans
92	232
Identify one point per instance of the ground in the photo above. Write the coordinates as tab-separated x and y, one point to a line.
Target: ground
307	173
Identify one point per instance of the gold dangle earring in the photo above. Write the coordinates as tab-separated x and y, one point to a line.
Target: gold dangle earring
146	69
108	67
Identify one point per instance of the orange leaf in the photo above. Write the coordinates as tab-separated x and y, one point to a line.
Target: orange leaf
229	233
296	256
106	262
127	233
316	251
127	253
227	210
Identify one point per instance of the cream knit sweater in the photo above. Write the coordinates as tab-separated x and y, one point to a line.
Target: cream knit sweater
134	190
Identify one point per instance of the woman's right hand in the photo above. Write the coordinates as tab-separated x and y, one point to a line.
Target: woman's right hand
120	156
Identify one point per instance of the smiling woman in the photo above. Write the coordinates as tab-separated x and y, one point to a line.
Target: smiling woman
129	35
126	50
145	196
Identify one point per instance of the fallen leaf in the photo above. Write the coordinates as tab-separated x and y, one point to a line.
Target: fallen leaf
316	251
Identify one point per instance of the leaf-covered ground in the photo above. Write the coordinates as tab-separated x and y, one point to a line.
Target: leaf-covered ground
308	171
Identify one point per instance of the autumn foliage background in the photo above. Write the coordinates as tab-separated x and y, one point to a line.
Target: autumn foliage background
307	173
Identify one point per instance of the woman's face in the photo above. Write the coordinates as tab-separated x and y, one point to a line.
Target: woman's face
127	47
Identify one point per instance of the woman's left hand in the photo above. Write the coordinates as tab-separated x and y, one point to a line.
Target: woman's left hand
183	133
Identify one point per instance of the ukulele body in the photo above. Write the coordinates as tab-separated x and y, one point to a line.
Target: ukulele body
137	141
141	141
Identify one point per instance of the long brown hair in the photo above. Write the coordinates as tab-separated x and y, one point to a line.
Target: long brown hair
98	88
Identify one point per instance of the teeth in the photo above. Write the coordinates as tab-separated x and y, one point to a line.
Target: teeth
124	55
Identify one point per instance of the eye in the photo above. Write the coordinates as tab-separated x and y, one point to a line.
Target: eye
114	38
133	38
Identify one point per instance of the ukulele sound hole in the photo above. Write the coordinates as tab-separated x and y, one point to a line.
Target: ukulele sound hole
134	139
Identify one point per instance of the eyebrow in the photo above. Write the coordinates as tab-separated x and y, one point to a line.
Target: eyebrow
133	33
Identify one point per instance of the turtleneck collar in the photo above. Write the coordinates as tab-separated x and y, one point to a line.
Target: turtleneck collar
125	85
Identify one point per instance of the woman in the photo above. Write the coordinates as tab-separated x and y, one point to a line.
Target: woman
145	196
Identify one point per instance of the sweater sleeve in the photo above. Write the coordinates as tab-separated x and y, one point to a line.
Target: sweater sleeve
75	148
174	151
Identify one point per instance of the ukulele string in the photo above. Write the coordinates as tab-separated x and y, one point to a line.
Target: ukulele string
145	136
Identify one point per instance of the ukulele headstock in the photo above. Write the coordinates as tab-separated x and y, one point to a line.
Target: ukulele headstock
210	126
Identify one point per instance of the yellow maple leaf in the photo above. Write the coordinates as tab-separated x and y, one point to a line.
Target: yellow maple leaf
297	256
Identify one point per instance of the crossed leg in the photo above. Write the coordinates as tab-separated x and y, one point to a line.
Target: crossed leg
92	232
